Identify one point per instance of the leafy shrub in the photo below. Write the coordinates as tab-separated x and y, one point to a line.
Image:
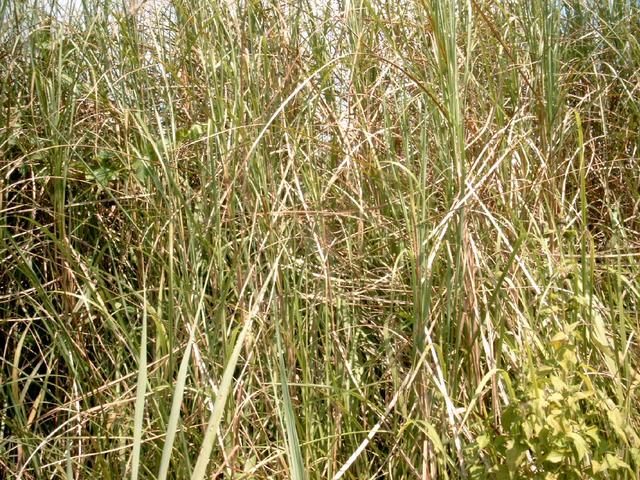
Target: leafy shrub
559	425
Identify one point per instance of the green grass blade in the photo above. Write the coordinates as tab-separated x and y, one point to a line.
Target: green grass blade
174	416
224	389
199	471
140	395
296	461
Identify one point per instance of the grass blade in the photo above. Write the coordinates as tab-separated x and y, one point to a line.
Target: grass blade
174	416
296	462
140	395
200	469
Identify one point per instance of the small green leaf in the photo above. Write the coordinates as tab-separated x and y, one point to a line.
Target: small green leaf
614	463
580	444
140	169
102	175
554	456
559	339
597	467
618	423
515	454
483	441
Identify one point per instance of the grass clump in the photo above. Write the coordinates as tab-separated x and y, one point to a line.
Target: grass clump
264	239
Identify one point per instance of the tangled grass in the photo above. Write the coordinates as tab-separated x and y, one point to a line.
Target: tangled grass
359	239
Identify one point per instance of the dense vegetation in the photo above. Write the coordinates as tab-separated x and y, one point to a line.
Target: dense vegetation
358	239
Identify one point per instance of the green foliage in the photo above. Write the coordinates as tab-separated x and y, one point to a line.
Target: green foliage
559	424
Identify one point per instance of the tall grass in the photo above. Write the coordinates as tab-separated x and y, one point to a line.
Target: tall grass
361	239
